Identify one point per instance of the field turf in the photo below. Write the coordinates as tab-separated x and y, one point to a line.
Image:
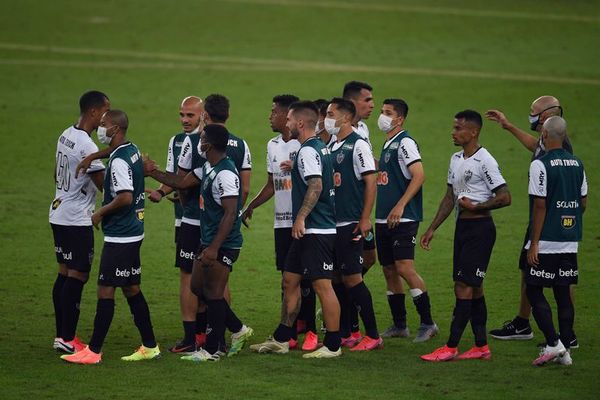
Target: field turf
440	56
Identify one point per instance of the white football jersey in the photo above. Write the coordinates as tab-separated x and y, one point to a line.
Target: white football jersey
475	177
362	129
278	151
75	198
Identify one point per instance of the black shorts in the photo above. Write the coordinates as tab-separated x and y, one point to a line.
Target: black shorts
553	270
120	264
523	264
177	230
397	243
311	256
348	250
224	256
187	246
74	246
473	243
283	242
369	244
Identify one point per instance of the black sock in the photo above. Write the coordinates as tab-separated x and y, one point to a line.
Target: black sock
141	317
478	321
56	299
397	308
201	322
423	308
232	322
363	301
342	295
189	332
566	314
283	333
71	297
105	310
332	340
215	313
542	313
353	318
460	318
309	303
520	323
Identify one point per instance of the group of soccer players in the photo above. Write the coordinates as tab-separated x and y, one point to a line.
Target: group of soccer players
325	181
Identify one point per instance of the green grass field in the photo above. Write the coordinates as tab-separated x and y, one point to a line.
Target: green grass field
440	56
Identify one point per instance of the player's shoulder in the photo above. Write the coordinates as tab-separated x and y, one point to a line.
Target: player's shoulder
457	156
483	156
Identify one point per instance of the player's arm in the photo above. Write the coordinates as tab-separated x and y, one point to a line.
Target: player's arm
538	218
501	199
416	182
86	162
245	179
445	208
176	181
370	180
164	190
311	198
267	191
122	177
527	140
229	205
122	199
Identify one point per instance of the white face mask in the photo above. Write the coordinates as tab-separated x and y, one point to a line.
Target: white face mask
385	123
102	138
330	127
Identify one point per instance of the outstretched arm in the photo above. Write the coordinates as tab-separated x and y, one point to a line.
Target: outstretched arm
527	140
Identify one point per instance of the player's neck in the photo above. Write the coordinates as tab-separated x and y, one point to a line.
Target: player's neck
85	124
344	132
305	135
470	148
394	132
286	135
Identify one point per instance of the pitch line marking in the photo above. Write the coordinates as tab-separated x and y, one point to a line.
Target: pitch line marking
224	63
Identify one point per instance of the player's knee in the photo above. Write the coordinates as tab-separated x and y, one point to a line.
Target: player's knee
80	276
130	291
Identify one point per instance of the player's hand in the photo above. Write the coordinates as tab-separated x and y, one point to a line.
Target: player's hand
532	255
363	226
247	216
499	117
83	166
286	165
298	228
154	195
466	204
149	166
394	216
96	219
426	239
209	255
173	199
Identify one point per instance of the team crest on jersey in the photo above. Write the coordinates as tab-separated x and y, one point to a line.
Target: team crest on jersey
567	221
468	175
56	203
139	214
292	156
387	157
340	158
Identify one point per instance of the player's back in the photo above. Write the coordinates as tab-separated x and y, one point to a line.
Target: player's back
75	197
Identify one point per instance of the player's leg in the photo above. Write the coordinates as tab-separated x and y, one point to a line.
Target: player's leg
57	287
214	281
395	289
363	301
105	311
331	313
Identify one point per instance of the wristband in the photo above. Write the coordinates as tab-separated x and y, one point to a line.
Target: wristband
162	193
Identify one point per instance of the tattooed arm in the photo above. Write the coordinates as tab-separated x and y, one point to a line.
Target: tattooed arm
315	187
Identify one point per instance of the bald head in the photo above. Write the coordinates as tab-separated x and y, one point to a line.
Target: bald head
542	103
191	101
119	118
555	129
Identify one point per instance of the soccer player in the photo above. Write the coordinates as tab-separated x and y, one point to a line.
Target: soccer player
399	210
221	239
475	187
541	109
320	131
70	211
558	188
311	253
355	183
281	151
182	158
122	217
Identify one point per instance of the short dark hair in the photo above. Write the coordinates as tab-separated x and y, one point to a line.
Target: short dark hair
470	116
91	99
308	108
119	118
344	105
322	105
217	136
352	89
285	100
399	106
217	108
